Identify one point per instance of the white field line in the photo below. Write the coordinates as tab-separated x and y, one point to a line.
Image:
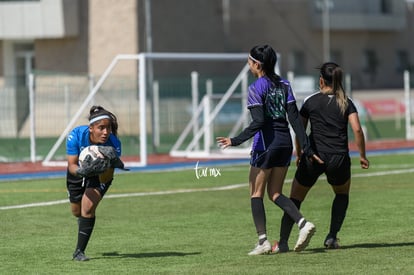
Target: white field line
168	192
193	190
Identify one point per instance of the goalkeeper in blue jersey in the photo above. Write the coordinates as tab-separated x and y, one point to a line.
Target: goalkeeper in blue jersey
87	184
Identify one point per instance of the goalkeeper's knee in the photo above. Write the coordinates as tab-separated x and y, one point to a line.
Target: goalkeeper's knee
103	187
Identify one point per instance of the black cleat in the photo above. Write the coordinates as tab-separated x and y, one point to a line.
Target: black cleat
79	256
331	243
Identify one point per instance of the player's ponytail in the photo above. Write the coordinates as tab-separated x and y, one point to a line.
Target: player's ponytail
332	75
266	56
114	123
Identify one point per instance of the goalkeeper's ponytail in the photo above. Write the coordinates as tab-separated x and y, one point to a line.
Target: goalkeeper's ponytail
114	123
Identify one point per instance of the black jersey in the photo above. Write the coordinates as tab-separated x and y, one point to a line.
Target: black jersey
329	128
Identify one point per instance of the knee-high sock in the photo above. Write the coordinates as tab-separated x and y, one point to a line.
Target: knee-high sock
287	223
338	213
85	231
288	207
259	215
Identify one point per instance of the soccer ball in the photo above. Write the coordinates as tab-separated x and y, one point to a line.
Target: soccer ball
92	151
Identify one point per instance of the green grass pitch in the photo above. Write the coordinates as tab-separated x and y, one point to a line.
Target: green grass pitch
173	223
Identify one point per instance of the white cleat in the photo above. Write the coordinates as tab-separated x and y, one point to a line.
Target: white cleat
265	248
305	234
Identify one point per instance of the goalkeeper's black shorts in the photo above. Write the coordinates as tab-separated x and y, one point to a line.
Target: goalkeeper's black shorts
76	186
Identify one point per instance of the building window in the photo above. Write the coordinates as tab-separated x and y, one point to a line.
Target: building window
370	61
403	61
297	62
386	7
24	62
336	56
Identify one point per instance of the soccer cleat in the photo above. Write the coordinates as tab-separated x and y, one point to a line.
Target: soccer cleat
280	247
79	256
305	234
331	243
260	249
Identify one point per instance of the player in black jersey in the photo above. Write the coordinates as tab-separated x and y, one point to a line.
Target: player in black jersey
329	112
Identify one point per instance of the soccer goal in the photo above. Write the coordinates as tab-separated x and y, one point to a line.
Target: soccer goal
89	100
161	107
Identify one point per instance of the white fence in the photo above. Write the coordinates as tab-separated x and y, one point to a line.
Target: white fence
151	116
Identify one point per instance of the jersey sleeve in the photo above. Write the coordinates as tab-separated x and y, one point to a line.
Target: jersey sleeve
72	143
255	95
254	99
351	107
304	111
290	95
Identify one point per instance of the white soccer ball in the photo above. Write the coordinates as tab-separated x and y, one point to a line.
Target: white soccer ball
92	151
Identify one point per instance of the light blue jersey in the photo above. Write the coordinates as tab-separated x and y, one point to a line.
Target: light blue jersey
78	139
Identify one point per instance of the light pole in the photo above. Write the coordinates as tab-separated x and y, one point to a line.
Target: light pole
325	6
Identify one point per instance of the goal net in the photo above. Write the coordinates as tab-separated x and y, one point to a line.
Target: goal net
155	105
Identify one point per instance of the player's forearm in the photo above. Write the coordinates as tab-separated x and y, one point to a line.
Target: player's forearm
255	125
360	142
298	148
301	139
73	168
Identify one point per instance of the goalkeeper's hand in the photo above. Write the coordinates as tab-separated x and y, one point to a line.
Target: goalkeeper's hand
110	153
92	167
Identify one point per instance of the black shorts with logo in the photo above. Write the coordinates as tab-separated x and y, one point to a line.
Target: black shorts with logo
337	168
76	186
277	157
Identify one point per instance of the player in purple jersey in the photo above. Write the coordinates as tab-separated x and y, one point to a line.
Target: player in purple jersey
270	102
85	192
329	111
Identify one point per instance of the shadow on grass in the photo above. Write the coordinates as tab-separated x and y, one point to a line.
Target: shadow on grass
362	245
146	255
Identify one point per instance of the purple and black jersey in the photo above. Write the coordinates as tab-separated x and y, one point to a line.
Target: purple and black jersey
274	99
268	104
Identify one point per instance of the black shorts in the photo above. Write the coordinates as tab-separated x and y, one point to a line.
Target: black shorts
278	157
76	186
337	168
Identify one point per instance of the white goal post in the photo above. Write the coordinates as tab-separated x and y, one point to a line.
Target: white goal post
143	59
408	105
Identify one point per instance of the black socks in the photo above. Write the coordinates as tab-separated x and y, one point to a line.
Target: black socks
338	213
287	223
259	217
288	207
85	231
